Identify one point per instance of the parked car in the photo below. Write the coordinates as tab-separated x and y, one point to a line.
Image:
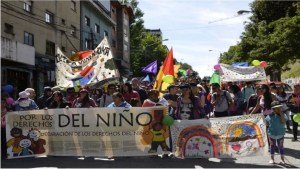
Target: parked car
287	88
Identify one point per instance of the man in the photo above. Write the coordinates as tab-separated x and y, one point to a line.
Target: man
294	104
41	101
172	97
107	98
135	83
221	100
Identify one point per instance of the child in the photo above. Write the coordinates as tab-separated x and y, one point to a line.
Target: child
276	130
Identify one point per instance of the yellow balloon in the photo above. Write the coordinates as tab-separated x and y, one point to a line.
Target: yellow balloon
256	62
168	79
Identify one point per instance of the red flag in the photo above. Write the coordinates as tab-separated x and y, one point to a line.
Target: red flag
168	66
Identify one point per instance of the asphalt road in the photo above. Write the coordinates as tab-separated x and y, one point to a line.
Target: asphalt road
292	151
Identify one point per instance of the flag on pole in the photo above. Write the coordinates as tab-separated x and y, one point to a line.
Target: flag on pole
151	68
166	71
147	78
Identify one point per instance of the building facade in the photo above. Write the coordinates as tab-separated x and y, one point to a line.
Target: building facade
33	30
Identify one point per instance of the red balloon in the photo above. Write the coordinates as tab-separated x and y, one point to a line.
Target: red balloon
263	64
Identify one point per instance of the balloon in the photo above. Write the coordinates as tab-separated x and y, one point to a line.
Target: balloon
9	100
256	62
263	64
168	120
215	78
217	67
296	117
8	88
168	79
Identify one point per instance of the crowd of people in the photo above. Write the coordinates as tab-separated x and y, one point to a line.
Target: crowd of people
186	100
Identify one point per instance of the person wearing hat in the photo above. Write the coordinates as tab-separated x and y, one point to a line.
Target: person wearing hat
24	102
276	130
84	100
154	99
32	93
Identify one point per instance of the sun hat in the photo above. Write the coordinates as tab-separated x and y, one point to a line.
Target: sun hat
275	104
23	95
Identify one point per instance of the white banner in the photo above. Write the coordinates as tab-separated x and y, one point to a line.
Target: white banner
220	137
230	73
94	68
101	132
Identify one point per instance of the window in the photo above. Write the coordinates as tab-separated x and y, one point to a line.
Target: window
27	6
113	10
97	28
49	17
87	21
73	5
88	44
28	38
50	48
63	21
73	31
63	48
105	33
8	28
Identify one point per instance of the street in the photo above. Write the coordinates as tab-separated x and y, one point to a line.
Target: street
292	151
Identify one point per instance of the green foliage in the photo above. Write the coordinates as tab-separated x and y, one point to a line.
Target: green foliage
273	35
144	47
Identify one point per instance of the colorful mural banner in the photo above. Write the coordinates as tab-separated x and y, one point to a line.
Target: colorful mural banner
229	73
228	137
96	67
101	132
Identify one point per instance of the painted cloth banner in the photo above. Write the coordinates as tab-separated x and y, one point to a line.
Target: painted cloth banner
94	68
228	137
230	73
105	132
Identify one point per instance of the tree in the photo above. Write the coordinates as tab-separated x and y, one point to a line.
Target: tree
272	35
144	47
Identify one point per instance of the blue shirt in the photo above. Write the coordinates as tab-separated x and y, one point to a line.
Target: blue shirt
276	129
124	104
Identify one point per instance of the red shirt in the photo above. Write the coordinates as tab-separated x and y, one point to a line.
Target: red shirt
129	96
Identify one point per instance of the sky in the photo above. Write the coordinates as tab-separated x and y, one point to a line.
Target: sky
193	27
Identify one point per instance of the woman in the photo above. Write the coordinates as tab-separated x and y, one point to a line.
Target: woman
188	107
282	97
57	101
264	102
130	95
118	101
154	99
252	101
84	101
238	100
199	91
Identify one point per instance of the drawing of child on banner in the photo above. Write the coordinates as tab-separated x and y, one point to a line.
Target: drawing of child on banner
158	138
25	144
14	143
37	145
